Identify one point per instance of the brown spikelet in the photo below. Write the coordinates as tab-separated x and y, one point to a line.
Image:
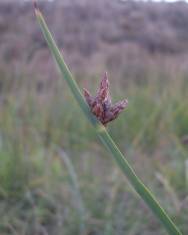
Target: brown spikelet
101	105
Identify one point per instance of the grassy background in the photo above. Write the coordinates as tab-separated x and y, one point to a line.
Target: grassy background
36	190
56	178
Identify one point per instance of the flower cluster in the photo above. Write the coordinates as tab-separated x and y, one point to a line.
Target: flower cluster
101	105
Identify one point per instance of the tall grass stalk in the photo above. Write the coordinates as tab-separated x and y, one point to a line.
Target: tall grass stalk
75	187
103	135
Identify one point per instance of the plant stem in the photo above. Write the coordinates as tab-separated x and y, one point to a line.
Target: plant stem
103	135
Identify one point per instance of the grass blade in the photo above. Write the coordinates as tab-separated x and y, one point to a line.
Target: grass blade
103	135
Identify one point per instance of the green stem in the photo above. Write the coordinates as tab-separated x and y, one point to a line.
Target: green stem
103	135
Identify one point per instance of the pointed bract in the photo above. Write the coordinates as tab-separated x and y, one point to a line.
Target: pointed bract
35	5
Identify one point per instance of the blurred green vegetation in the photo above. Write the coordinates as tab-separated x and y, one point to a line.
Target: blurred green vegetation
36	193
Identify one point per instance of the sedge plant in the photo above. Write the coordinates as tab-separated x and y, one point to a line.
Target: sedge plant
92	111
